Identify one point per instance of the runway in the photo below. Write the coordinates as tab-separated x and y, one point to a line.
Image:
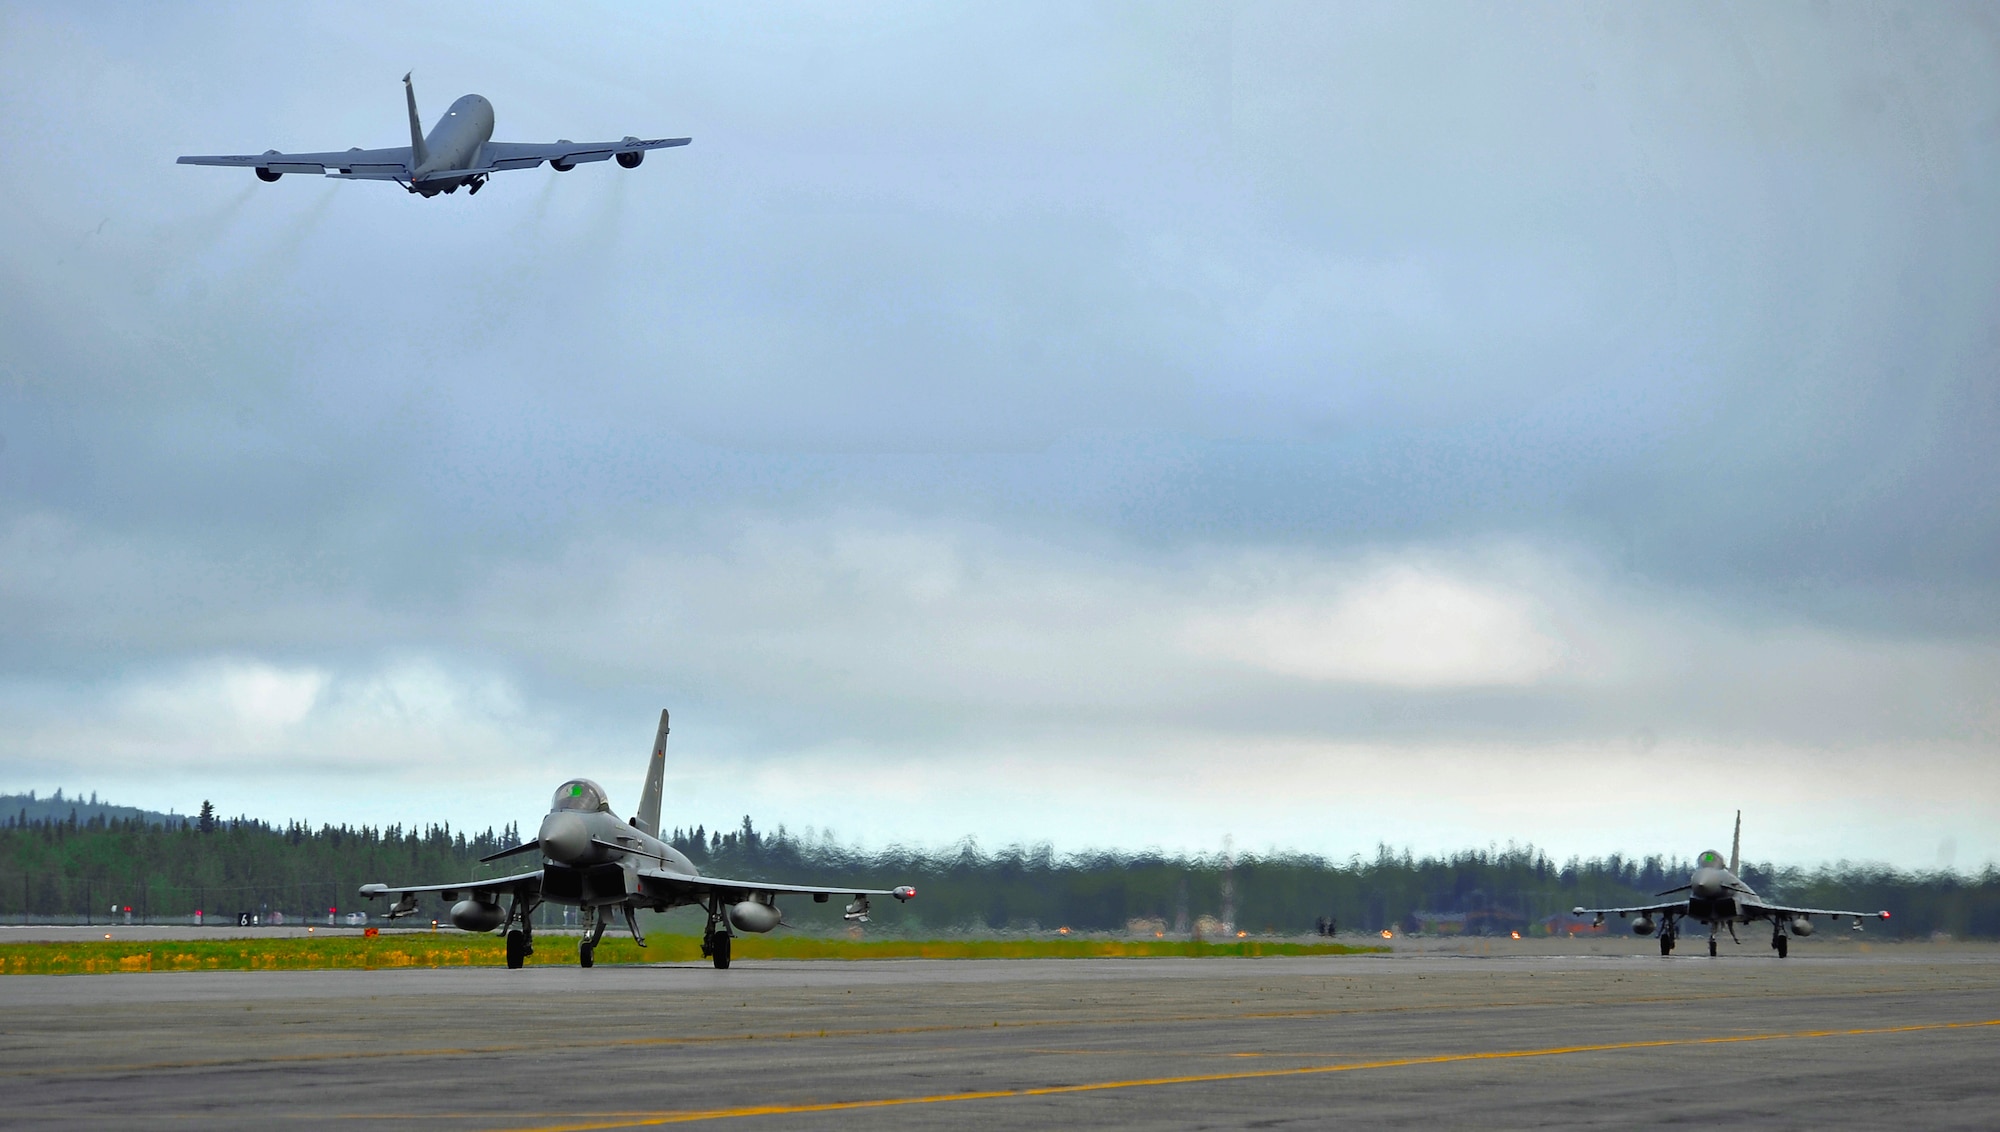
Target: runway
1906	1036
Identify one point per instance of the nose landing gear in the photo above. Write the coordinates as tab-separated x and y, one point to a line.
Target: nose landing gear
586	952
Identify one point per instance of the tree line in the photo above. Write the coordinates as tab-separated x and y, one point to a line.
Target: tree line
71	869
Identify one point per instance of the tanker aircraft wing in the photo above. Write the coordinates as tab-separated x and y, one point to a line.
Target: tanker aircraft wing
1717	898
601	865
355	164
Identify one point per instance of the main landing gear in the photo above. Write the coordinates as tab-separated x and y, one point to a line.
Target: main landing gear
715	941
1780	943
1667	942
520	934
1711	947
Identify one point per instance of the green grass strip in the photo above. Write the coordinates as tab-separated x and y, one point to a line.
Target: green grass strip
459	949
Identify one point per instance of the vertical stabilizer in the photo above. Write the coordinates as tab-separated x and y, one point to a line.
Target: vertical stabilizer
1735	839
648	820
420	154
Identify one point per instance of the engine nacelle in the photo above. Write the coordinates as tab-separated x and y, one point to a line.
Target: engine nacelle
1801	926
267	174
472	916
562	166
1642	926
631	159
752	916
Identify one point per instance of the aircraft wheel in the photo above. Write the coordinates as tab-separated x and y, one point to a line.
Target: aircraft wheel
721	951
586	955
1784	947
1711	948
1666	945
517	949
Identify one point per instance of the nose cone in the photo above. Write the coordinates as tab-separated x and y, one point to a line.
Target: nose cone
1707	884
565	838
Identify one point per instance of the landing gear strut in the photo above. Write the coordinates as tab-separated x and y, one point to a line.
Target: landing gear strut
1781	944
1711	947
520	933
715	941
586	952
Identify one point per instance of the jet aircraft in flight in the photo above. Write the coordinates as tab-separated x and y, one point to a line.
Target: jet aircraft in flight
601	865
1717	898
459	151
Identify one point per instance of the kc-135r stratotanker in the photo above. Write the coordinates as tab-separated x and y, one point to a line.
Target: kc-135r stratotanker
594	862
459	151
1717	898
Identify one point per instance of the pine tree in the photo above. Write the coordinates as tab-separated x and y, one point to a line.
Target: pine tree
206	823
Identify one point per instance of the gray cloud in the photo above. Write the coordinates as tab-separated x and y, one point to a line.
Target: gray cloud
1094	376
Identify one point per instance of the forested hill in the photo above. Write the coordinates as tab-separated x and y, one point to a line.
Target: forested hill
164	871
54	807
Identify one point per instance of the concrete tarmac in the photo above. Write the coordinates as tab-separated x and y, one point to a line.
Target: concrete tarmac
1843	1038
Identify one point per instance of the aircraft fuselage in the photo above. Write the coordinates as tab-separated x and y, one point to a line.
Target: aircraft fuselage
591	857
454	143
1714	895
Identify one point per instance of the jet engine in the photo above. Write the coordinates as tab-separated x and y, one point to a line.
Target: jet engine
473	916
1642	926
753	916
562	166
1801	926
631	160
267	174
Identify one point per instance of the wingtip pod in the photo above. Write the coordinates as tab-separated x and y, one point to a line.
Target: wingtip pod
406	76
1576	911
909	892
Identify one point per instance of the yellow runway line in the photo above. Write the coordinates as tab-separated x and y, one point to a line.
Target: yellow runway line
695	1116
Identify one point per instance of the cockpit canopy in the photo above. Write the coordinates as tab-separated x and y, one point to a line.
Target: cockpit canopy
581	794
1710	859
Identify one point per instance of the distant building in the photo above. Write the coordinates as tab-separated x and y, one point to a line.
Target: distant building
1568	924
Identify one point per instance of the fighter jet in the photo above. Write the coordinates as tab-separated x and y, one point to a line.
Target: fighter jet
603	866
458	152
1717	898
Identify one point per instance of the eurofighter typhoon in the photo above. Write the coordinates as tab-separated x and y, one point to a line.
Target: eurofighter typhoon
594	862
1717	898
458	151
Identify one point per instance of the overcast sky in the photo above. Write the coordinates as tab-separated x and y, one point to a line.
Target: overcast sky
1118	426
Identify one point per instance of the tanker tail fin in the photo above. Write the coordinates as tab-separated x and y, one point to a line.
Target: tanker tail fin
648	821
420	154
